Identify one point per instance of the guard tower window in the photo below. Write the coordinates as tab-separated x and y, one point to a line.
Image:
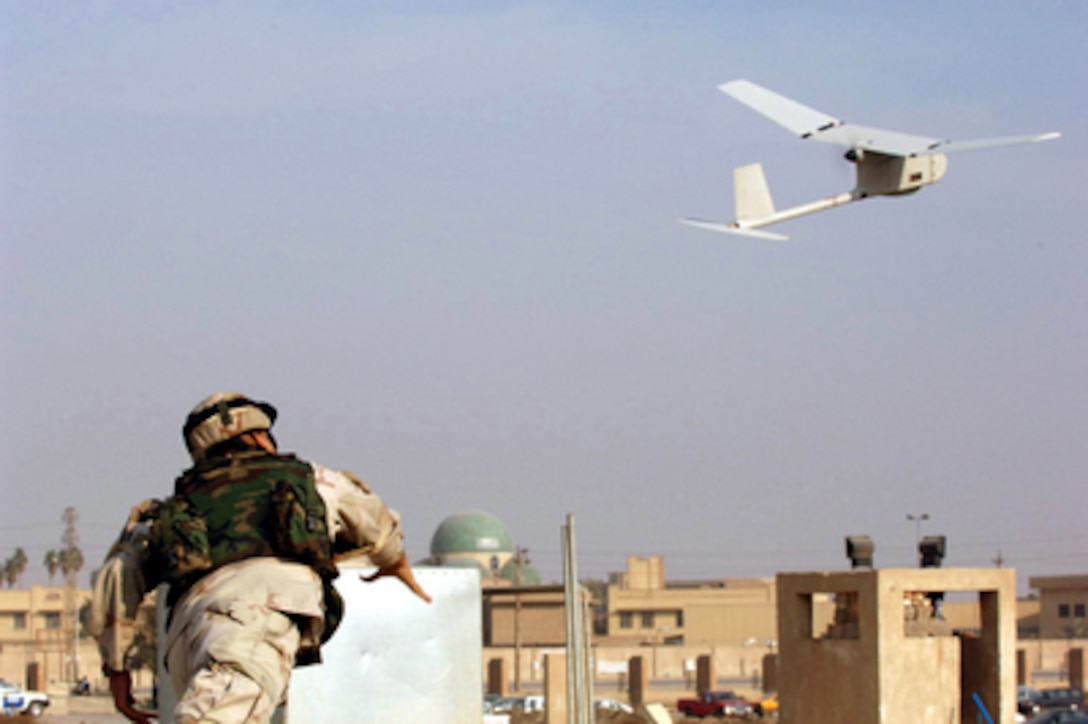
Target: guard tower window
832	615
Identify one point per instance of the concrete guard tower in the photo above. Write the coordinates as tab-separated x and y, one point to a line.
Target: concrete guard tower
888	657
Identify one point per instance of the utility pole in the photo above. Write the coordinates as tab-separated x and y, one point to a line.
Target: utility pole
579	677
71	605
521	557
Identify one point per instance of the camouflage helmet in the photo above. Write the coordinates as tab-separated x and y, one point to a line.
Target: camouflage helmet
222	416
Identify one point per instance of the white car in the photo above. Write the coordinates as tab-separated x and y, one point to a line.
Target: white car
613	705
18	701
533	703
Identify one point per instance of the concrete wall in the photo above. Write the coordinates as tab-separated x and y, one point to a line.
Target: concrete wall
872	667
664	664
1047	662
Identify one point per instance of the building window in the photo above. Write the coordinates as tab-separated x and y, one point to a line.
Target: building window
18	621
679	619
1063	610
647	619
626	619
1078	610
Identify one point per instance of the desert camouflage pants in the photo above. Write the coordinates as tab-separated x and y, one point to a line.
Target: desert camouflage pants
232	666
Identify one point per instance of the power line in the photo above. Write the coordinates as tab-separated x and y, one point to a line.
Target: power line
27	526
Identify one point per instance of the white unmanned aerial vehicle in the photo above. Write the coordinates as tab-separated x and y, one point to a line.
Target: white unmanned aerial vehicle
888	163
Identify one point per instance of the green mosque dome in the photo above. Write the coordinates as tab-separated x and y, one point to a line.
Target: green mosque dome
471	531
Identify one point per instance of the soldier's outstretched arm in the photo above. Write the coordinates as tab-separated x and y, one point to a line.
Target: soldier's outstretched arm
401	570
361	518
121	689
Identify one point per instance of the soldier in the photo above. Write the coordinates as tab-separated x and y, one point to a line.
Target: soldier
247	546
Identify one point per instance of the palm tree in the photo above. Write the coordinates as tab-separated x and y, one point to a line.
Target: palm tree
11	573
52	564
19	559
71	560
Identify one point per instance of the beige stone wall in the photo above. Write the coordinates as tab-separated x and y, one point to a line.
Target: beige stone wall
1047	660
663	663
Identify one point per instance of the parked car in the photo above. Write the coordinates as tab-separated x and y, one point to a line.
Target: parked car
506	704
1060	716
1025	700
1030	700
715	703
612	705
16	700
768	705
1065	698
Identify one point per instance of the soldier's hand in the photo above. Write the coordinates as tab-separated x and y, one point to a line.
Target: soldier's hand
121	688
401	570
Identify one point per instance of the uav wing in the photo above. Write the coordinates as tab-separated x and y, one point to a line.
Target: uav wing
810	123
946	146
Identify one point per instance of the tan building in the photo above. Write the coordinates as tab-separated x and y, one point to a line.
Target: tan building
37	638
643	608
524	616
1063	604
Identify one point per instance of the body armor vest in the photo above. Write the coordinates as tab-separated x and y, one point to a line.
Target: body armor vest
242	506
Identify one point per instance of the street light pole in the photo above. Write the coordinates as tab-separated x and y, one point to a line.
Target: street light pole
917	519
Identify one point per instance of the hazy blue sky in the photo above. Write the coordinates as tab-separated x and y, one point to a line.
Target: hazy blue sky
442	239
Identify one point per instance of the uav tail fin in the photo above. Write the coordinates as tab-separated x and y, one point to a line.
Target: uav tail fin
752	204
751	197
733	229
